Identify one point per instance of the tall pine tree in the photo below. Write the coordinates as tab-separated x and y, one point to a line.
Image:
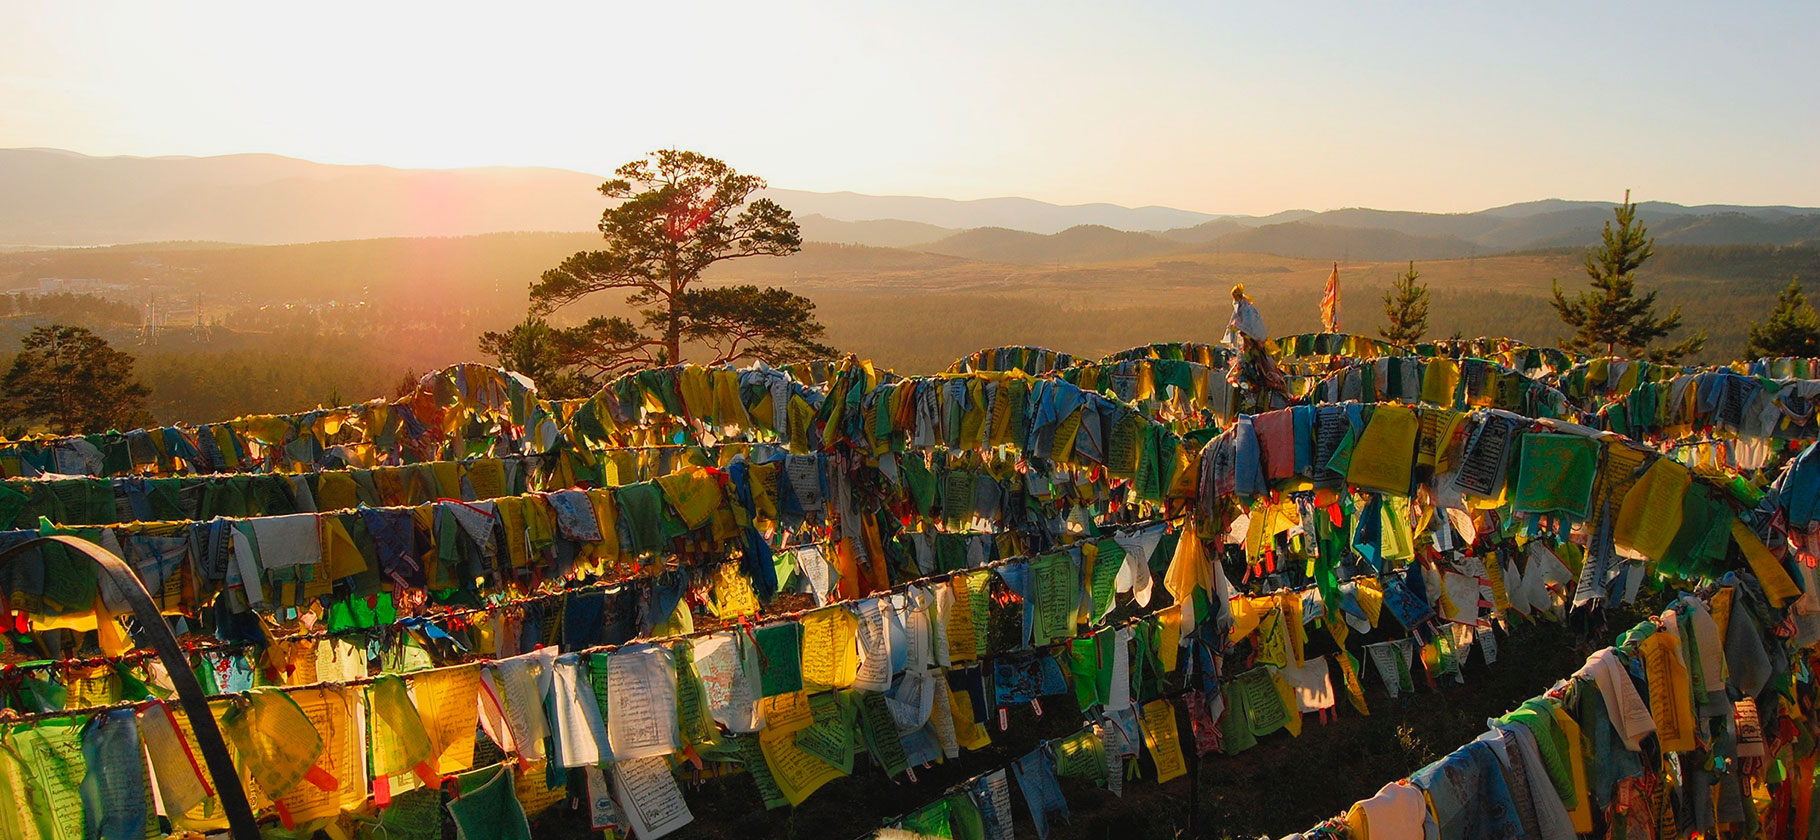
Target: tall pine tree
1793	329
1611	316
672	216
1406	308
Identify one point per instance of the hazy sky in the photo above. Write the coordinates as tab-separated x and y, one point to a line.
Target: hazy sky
1248	107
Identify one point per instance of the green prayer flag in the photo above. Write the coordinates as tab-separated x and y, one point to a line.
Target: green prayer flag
780	658
1109	558
1083	664
880	729
488	807
830	737
964	815
931	820
753	758
1555	475
1080	756
1053	582
1234	725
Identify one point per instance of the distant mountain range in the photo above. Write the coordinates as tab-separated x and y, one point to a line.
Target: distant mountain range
55	197
50	197
1362	234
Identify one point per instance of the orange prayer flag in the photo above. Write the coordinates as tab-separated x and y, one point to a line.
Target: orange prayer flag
1330	302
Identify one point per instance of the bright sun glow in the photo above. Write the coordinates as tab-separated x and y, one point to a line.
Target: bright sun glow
1239	107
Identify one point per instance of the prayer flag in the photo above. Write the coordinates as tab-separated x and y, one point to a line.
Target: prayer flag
1330	302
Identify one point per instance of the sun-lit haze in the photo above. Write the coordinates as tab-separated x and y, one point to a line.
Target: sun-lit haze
1216	107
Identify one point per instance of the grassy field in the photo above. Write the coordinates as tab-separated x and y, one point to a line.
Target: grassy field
920	318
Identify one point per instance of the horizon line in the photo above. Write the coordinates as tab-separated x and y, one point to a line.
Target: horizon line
1210	216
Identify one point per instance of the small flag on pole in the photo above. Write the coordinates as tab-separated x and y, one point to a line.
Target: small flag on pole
1330	302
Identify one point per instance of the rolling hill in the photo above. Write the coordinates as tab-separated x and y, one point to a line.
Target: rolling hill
1017	213
53	197
1083	243
888	233
50	197
1312	238
1555	223
1372	235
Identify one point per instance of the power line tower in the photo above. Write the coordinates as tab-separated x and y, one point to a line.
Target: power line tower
148	326
202	332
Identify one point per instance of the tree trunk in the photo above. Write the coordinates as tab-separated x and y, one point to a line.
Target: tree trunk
673	323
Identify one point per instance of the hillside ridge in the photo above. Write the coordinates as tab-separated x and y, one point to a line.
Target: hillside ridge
57	197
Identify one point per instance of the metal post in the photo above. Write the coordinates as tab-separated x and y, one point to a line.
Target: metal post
241	825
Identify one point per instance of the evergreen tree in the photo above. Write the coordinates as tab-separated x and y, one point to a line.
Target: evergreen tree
1793	329
406	384
70	381
1612	316
568	362
1406	308
674	215
529	347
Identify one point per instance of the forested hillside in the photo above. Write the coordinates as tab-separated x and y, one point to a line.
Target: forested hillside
289	326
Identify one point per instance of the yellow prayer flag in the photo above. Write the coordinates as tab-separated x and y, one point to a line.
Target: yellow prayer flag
969	733
1169	641
1292	710
606	513
796	772
448	704
398	740
830	653
1777	585
340	555
336	491
1670	692
1371	598
1382	458
694	493
1439	380
274	740
786	714
730	593
1650	514
1190	568
1164	740
332	712
1581	813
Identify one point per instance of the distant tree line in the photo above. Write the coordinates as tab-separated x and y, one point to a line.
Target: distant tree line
69	306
